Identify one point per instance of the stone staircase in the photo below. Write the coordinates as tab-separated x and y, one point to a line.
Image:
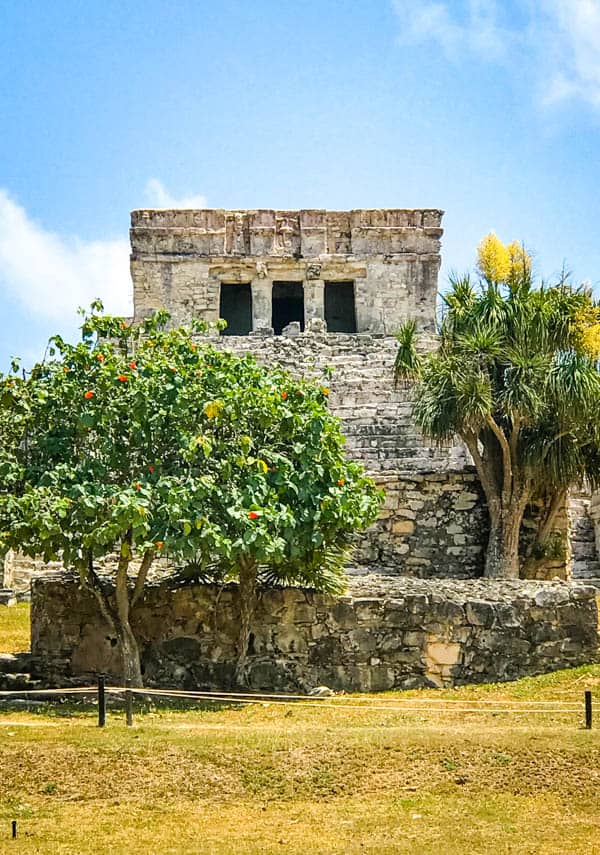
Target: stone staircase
16	673
586	567
376	416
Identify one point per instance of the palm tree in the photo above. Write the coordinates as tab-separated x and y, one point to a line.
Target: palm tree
515	377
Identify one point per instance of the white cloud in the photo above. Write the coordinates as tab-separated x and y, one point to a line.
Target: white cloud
159	197
475	28
51	276
575	27
554	44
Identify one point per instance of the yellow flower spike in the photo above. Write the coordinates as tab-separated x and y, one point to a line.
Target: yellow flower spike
519	259
493	259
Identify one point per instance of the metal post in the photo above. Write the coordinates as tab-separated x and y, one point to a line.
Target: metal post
14	829
588	710
101	701
128	706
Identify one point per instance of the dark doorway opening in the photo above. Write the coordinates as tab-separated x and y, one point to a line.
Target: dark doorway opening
235	307
288	305
340	311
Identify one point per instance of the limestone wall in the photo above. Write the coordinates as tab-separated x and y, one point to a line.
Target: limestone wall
387	633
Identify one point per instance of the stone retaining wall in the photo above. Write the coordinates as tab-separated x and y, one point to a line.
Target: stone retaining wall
432	525
387	633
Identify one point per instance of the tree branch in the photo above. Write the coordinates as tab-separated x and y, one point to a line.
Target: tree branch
91	582
506	458
142	575
484	470
547	521
514	443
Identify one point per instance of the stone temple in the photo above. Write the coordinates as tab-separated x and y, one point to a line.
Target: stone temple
311	290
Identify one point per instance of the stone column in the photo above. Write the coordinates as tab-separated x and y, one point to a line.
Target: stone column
262	304
314	296
314	301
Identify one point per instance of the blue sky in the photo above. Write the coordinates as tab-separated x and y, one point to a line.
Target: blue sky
488	110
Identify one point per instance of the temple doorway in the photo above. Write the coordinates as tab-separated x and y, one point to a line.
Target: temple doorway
288	305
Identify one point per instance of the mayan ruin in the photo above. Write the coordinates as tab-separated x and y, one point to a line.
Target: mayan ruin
322	293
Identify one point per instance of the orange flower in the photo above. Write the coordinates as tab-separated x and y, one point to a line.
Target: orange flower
193	346
160	544
137	485
253	515
284	395
100	357
123	378
66	368
341	482
133	365
325	391
123	325
89	395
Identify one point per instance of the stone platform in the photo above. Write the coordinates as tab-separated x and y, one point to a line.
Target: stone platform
387	633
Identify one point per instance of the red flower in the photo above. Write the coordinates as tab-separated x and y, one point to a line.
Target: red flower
341	482
160	544
253	515
89	395
123	378
284	395
133	365
151	469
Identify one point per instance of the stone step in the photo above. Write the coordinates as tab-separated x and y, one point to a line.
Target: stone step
18	683
15	663
7	597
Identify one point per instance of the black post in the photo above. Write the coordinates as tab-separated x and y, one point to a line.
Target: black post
14	829
101	701
588	710
128	706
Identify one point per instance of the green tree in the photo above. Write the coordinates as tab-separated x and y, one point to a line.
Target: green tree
515	377
140	441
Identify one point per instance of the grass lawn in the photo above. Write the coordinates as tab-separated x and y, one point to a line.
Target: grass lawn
301	779
14	628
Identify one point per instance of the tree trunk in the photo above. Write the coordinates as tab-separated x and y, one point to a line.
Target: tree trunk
248	574
130	651
130	655
502	555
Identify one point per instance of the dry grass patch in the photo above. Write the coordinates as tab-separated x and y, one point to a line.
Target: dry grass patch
14	628
308	779
265	779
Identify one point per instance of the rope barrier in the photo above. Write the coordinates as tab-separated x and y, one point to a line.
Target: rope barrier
398	705
339	699
332	705
65	691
